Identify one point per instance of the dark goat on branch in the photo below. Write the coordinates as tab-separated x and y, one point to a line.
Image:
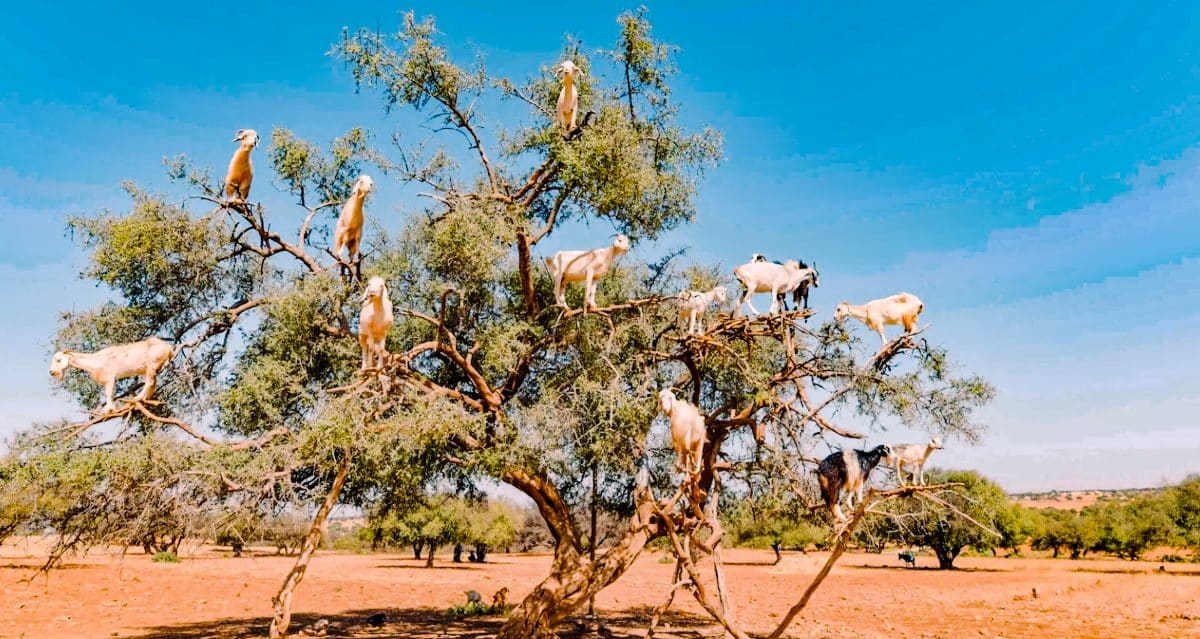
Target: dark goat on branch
847	470
810	279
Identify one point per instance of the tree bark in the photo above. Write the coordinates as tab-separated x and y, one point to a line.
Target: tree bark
429	557
945	557
282	602
574	578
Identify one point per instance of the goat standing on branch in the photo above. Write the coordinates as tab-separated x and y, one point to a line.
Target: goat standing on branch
847	470
374	322
108	365
583	266
914	456
693	304
767	277
568	97
241	171
687	431
347	235
901	308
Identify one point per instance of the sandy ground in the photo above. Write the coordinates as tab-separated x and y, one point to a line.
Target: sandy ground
211	595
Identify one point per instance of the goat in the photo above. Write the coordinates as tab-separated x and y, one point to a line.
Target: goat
913	455
766	277
847	470
347	235
108	365
687	431
692	305
908	558
374	322
901	308
583	266
809	277
568	97
241	171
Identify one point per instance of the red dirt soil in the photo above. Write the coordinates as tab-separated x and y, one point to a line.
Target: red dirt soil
212	595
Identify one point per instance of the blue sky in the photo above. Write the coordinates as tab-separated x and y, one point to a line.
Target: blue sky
1030	171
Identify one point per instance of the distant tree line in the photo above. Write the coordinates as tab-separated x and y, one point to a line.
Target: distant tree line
980	516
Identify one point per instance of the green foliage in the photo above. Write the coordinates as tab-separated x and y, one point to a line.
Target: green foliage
1183	502
1063	529
1127	529
965	520
165	557
478	609
1016	525
761	525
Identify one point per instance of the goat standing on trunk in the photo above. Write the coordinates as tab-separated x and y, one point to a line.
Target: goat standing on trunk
108	365
847	470
687	431
374	322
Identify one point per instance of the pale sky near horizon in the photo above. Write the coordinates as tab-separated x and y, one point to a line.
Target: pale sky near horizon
1030	171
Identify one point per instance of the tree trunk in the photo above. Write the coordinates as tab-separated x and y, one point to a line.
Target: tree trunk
417	550
592	535
945	557
429	557
573	578
282	602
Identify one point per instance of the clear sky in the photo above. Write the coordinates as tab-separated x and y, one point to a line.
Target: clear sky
1031	170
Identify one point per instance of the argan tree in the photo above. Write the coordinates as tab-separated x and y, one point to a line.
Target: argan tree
487	378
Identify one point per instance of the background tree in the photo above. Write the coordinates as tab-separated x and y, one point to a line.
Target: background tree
966	517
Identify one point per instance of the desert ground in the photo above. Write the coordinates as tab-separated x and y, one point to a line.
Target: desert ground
211	594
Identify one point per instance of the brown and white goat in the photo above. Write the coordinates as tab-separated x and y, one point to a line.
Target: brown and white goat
347	235
241	170
901	308
108	365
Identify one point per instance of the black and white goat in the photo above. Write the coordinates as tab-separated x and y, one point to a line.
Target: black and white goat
810	278
847	470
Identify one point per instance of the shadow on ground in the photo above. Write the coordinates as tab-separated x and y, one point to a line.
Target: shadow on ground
429	623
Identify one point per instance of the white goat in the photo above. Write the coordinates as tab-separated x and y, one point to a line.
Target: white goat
583	266
241	171
914	456
687	431
901	308
347	235
568	97
108	365
374	322
693	304
767	277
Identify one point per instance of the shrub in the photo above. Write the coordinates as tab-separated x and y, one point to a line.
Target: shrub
165	556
